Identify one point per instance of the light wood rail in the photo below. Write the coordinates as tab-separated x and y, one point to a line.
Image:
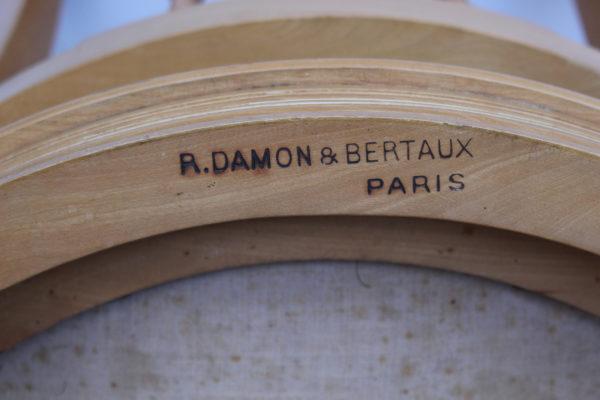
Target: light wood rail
237	32
544	267
323	137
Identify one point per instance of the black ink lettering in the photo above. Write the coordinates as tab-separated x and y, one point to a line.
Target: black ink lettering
217	169
461	185
396	185
187	160
354	152
464	148
407	142
289	154
437	183
423	183
368	151
442	155
302	155
239	162
328	157
257	161
386	150
422	153
373	184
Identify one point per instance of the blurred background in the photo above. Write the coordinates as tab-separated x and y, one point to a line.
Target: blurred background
56	26
80	19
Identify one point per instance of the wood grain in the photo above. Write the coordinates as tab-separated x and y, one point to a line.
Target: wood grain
544	267
106	170
87	178
242	32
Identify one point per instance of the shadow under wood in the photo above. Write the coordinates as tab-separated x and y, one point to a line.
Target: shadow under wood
554	270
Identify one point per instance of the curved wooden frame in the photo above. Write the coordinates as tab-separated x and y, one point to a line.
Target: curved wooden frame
544	267
58	162
424	30
524	138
